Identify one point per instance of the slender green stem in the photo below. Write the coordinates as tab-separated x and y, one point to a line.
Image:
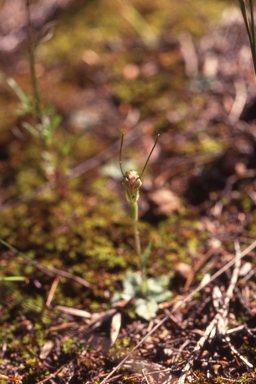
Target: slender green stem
132	183
31	48
137	237
134	209
48	271
13	278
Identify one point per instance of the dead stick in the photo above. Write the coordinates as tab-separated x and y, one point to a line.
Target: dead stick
178	305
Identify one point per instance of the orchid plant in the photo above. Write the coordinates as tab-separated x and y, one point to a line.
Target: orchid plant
150	291
132	182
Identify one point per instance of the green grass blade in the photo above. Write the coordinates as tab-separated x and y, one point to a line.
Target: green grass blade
145	255
13	278
31	130
48	271
16	251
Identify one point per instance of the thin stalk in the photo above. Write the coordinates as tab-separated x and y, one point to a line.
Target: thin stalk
138	250
13	278
149	155
250	28
253	34
132	183
31	50
137	238
245	17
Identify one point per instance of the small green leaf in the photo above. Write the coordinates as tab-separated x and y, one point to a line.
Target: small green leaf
69	145
55	120
116	297
13	278
162	280
26	101
31	129
21	95
161	296
132	284
157	290
145	255
146	309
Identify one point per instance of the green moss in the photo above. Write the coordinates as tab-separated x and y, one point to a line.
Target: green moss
209	145
246	203
68	345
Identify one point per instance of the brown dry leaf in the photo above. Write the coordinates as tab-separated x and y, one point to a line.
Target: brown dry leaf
164	202
46	349
183	270
99	318
131	72
121	303
245	269
90	57
115	327
74	311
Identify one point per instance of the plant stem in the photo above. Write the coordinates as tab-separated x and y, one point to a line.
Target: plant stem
253	45
31	49
134	213
13	278
250	28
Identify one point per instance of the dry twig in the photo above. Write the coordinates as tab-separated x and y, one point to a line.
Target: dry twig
218	326
181	303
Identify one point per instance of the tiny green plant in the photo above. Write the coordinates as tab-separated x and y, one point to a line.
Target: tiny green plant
32	47
132	182
150	291
46	120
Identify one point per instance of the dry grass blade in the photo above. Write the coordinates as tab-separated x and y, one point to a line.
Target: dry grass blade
115	327
48	271
218	326
74	311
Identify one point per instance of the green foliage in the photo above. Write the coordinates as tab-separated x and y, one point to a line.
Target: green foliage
26	107
69	345
47	120
44	130
55	148
148	291
145	255
145	307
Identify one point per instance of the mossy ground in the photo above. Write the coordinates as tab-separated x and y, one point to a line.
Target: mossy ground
102	70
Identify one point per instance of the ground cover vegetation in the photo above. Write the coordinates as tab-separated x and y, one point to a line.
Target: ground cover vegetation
89	293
